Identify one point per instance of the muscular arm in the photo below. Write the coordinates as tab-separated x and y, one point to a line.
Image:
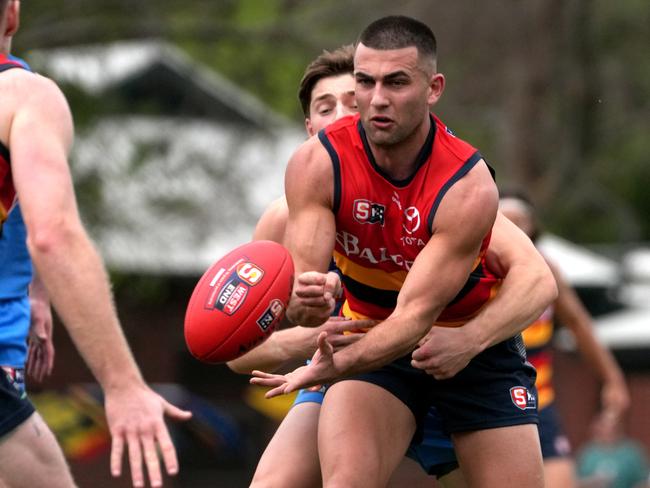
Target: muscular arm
310	234
67	262
294	343
463	219
527	289
570	312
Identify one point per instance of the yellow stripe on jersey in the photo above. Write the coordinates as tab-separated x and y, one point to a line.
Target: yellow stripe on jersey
346	311
375	278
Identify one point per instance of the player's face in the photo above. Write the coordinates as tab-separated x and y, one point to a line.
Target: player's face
331	99
394	92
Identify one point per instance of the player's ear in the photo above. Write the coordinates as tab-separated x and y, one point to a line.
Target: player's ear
12	14
309	127
436	87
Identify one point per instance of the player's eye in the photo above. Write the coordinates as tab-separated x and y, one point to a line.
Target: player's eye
365	82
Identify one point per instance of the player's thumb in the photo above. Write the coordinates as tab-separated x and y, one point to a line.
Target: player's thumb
176	413
332	286
323	344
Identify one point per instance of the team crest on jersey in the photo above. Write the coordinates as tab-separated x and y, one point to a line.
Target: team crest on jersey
523	398
412	220
367	212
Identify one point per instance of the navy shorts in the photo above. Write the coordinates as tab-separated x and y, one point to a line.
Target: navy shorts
15	407
496	389
555	443
434	453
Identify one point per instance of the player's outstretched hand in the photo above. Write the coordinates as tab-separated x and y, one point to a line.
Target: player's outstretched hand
313	298
319	371
444	352
136	419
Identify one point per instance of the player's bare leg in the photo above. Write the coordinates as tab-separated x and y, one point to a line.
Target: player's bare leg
291	458
514	452
363	434
30	456
559	472
455	479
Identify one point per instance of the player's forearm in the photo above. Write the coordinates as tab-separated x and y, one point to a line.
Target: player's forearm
37	289
389	340
283	346
82	297
596	355
522	298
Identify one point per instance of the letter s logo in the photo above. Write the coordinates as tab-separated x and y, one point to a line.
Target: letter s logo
250	273
519	396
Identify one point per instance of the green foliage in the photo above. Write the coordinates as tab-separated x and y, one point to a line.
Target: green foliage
565	83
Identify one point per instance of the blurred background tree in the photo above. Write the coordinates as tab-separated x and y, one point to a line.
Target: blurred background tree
556	94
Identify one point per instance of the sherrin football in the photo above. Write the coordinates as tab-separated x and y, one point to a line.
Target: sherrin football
239	301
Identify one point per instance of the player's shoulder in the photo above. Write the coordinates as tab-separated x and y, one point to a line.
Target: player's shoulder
43	94
449	142
471	199
31	91
272	223
309	174
311	156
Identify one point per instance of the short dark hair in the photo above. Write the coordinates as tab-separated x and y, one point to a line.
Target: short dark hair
329	63
397	32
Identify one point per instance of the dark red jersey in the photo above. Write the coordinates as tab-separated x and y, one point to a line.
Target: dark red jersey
382	224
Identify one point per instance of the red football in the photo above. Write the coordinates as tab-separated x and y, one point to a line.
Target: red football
239	301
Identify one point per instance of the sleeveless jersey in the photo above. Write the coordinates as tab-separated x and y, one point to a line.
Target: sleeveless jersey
537	339
15	263
383	224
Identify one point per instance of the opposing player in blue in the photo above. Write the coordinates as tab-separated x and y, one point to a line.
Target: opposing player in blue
39	217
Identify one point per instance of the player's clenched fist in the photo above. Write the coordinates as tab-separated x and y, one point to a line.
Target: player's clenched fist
314	298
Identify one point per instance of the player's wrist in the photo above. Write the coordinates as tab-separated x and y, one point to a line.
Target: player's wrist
476	337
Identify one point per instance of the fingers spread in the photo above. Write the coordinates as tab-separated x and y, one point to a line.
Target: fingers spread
117	451
167	449
176	413
135	458
151	459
